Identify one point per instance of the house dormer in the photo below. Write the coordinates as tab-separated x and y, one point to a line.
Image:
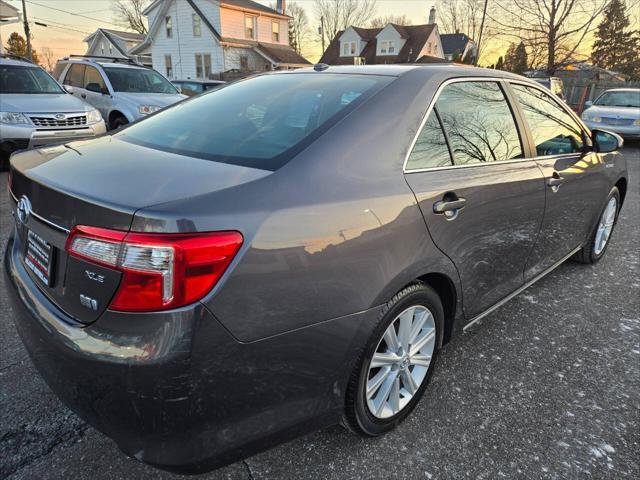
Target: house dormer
390	40
351	43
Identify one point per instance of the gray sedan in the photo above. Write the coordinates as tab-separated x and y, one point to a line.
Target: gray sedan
293	250
617	110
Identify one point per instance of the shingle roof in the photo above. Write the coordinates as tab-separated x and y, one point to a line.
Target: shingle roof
132	36
454	43
251	5
282	54
416	36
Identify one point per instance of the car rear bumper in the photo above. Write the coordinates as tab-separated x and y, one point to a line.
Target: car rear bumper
174	389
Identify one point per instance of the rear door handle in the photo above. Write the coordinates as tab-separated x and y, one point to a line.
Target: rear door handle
449	206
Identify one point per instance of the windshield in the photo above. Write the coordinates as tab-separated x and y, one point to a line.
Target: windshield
628	98
261	122
31	80
138	80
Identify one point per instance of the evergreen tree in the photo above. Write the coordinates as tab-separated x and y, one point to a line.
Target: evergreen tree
499	64
509	58
616	47
520	62
17	45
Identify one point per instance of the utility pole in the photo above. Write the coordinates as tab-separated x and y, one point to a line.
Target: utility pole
484	14
322	32
27	31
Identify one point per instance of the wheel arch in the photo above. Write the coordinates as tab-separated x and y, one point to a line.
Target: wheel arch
117	113
446	290
621	185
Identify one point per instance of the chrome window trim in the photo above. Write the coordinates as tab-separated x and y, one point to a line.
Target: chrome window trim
525	83
40	218
426	117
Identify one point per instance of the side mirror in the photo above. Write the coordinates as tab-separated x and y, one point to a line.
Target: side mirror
588	104
95	87
68	89
605	142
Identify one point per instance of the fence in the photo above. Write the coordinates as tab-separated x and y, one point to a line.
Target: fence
578	91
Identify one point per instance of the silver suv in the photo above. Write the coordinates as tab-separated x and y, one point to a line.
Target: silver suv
122	90
35	110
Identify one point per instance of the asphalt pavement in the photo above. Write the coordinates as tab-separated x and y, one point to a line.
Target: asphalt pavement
548	386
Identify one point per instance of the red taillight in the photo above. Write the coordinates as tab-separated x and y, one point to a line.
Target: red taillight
160	271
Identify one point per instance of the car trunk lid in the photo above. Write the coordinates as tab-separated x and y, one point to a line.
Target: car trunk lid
100	183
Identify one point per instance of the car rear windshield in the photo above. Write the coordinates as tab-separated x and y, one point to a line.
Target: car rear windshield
620	99
262	122
138	80
30	80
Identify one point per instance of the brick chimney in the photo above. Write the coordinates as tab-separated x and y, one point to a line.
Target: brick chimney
281	6
432	15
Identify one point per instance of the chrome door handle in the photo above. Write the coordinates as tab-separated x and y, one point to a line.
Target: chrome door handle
555	181
450	206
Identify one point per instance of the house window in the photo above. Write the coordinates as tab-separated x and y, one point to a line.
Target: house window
250	27
168	23
428	47
110	49
197	25
275	32
168	65
244	62
348	49
387	47
203	65
102	48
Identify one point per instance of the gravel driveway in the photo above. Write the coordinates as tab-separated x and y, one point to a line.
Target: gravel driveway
548	386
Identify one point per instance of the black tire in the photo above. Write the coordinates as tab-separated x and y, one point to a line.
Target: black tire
588	253
118	122
357	416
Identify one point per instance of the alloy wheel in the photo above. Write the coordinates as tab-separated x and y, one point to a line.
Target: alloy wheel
605	226
400	362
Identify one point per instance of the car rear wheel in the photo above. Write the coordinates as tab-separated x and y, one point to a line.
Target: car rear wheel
396	365
597	245
118	122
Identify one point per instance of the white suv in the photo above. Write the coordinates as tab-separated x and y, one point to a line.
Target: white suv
35	110
122	90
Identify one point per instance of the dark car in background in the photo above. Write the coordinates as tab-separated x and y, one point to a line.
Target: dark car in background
191	88
292	251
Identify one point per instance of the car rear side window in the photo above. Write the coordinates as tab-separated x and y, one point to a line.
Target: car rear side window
75	76
431	148
261	122
479	123
554	131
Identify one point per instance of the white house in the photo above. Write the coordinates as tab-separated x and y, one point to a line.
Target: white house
391	44
8	15
197	39
113	43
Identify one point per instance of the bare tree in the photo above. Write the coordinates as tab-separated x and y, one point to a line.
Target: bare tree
465	16
552	30
340	14
381	22
299	29
128	14
48	58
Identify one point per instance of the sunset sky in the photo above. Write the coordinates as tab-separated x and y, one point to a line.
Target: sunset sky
69	21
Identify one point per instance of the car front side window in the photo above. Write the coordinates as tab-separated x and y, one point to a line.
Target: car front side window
554	131
479	123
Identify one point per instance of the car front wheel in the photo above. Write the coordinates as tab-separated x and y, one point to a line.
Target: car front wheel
396	365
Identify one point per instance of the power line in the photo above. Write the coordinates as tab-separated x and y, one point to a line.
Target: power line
72	13
53	23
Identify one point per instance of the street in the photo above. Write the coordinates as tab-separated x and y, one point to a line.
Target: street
548	386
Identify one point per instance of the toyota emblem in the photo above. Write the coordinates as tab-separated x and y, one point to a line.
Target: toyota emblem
24	210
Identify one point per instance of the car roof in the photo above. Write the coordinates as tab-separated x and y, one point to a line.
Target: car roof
622	90
198	81
88	61
451	69
17	62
